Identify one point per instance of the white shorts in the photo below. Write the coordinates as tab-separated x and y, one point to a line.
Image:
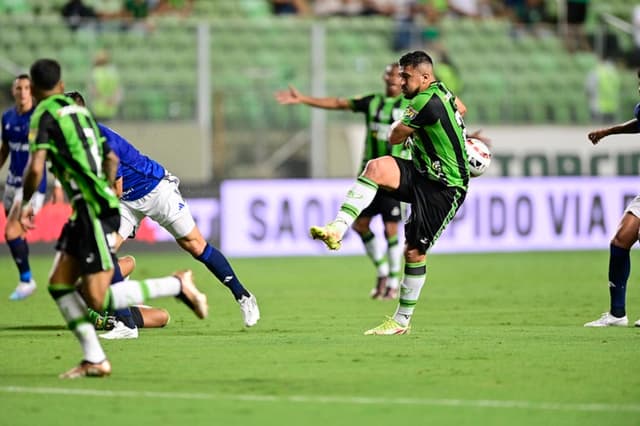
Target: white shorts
634	207
164	205
13	195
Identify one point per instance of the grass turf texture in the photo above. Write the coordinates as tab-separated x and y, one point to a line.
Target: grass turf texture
497	339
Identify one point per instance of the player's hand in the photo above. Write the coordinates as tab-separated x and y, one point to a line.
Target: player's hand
482	138
596	135
26	218
291	96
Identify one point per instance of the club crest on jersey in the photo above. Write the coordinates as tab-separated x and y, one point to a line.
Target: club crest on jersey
410	113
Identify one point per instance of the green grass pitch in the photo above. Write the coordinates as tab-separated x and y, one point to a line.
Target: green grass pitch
497	339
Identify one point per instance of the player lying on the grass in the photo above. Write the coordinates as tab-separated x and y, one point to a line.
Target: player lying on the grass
15	147
143	316
66	136
625	237
148	190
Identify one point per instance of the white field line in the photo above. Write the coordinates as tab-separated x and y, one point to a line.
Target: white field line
319	399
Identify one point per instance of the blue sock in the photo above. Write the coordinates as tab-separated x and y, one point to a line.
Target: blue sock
220	267
123	314
20	252
619	269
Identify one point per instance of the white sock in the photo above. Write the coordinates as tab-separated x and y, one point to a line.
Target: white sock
414	278
394	255
74	312
132	292
376	254
358	197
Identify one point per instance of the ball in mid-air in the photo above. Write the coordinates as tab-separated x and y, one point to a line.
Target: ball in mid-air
479	156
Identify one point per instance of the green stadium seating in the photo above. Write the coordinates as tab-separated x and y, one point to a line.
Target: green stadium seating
503	76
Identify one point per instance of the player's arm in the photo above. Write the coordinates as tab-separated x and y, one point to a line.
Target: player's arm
399	133
4	153
39	140
630	127
110	162
118	186
462	108
4	147
293	96
34	172
110	167
482	138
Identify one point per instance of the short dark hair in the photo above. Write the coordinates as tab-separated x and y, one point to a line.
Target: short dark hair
415	58
76	96
45	73
22	76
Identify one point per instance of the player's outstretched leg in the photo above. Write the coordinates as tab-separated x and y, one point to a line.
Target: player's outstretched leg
190	294
358	197
219	266
180	285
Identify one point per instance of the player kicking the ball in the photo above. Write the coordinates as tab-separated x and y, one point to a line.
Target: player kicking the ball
434	183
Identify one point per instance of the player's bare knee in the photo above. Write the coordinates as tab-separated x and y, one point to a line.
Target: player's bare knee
414	255
375	170
195	246
623	241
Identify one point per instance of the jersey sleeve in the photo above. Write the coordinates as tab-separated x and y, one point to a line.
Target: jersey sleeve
418	114
2	134
360	103
40	132
636	112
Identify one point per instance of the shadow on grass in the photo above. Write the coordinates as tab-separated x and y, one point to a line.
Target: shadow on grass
33	328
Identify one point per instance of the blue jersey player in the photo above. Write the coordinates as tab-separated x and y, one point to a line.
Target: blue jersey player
15	147
625	237
149	190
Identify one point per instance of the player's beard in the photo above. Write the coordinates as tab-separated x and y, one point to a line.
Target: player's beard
409	95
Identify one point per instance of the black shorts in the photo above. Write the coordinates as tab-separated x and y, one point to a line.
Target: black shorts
385	205
433	205
91	240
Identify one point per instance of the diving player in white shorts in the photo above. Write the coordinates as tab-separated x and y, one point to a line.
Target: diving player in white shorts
149	190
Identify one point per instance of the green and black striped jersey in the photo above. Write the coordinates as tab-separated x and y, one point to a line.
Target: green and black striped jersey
380	111
438	143
75	150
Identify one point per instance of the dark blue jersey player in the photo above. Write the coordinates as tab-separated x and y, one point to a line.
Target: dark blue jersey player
625	237
15	147
149	190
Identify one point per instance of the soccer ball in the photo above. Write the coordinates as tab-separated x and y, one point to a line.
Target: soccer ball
479	156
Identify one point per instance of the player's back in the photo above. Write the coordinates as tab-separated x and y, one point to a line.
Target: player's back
75	150
140	174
